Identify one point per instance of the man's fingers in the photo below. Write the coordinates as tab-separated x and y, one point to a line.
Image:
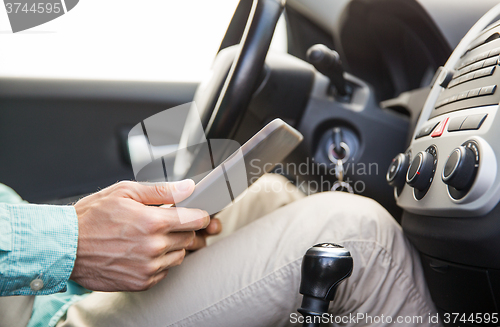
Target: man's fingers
178	241
166	262
159	277
214	227
171	259
157	193
187	219
198	243
166	220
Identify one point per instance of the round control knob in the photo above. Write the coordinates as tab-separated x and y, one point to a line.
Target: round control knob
396	173
420	172
459	169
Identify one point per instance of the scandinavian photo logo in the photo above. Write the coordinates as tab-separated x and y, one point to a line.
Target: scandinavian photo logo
26	14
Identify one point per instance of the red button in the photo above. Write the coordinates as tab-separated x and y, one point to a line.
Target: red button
440	129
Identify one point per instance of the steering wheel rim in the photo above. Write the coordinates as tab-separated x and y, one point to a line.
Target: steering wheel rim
243	76
221	118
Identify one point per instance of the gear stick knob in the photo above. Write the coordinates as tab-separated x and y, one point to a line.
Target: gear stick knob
324	267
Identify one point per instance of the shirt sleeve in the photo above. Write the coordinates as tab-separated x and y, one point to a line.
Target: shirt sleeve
38	246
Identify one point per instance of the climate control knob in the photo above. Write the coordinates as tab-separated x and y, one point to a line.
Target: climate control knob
396	174
460	168
421	171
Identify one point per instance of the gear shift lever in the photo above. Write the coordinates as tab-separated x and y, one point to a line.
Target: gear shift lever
324	267
328	63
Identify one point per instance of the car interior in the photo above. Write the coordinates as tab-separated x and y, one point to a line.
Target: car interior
401	96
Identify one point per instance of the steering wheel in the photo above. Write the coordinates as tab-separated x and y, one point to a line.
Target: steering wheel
221	100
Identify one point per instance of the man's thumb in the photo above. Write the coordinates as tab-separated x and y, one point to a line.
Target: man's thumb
163	193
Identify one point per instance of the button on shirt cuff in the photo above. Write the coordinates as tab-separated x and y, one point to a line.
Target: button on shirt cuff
38	253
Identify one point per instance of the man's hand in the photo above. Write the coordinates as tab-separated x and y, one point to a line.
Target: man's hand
200	241
125	245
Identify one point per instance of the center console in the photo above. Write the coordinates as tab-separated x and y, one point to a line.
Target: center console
448	181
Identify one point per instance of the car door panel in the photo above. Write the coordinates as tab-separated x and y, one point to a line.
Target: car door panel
63	138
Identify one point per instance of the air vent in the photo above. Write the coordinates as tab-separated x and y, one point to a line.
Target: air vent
480	42
492	37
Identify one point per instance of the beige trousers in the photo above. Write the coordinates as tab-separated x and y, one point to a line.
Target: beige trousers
15	311
250	275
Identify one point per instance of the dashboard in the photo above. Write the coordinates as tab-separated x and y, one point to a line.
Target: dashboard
447	181
460	126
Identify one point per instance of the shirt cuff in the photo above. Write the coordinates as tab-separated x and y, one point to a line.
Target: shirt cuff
43	252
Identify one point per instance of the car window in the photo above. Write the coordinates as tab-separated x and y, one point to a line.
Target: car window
155	40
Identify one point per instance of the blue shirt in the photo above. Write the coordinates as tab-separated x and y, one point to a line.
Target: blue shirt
38	242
